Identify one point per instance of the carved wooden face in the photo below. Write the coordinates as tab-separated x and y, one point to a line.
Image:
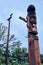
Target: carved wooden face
32	24
32	21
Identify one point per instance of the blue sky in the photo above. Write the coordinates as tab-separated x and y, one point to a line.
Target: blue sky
18	27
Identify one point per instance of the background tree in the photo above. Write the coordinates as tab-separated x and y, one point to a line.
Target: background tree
3	38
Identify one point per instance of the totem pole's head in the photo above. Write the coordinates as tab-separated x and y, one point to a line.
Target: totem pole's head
31	10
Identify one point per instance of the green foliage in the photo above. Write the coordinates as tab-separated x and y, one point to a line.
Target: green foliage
19	55
2	59
41	58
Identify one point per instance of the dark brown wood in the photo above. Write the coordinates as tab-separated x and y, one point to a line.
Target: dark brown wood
8	38
33	42
7	43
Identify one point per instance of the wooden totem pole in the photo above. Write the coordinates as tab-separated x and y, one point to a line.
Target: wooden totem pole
33	42
34	53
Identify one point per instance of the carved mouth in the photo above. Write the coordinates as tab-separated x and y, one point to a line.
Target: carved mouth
34	28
